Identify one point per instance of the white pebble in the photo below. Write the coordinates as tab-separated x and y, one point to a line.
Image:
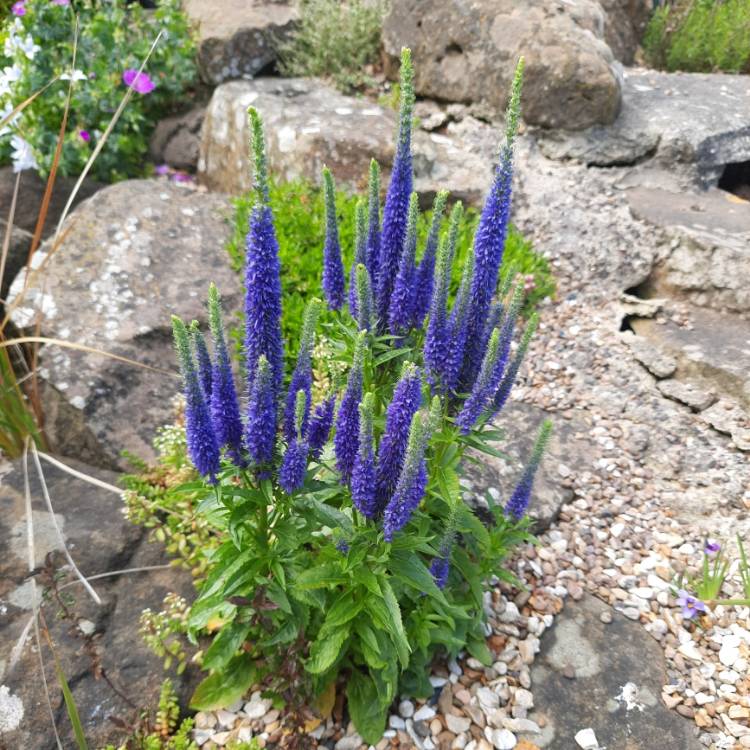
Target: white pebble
425	713
406	709
587	739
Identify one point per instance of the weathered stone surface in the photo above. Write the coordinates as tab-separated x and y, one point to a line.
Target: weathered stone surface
730	418
624	24
31	193
176	140
137	252
99	540
697	122
708	261
713	349
687	393
238	38
659	363
608	661
18	251
466	52
309	125
568	453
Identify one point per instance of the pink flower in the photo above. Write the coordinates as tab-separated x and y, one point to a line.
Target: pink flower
139	82
19	8
60	2
85	135
182	177
162	169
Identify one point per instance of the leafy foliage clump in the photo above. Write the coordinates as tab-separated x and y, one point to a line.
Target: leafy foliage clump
299	209
38	46
335	39
700	36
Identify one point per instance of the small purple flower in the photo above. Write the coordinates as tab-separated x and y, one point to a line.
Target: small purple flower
440	567
691	605
342	546
84	135
161	169
19	8
345	441
141	83
363	474
203	361
293	466
260	430
426	269
182	177
400	311
519	500
712	547
333	268
320	426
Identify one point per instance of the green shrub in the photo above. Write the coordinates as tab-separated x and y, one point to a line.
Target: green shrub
300	228
700	36
38	46
335	39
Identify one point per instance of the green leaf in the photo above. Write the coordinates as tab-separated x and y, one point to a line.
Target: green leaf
222	688
321	576
478	649
396	624
327	515
389	355
342	611
225	645
409	569
286	634
70	704
325	650
365	707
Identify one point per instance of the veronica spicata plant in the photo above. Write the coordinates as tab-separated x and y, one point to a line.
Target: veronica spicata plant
349	556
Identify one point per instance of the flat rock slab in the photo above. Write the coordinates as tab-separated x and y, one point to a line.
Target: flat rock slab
135	254
99	540
567	452
699	121
619	672
713	349
310	125
239	38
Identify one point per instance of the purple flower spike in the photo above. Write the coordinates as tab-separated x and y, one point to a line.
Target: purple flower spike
373	220
395	213
347	422
519	500
412	481
225	408
440	567
260	431
293	466
360	254
691	605
712	547
203	359
320	426
141	83
262	273
201	440
333	268
489	241
509	378
426	270
363	474
400	313
405	402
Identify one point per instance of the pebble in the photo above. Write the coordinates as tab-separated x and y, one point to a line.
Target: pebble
586	739
457	724
424	713
348	742
406	709
606	617
255	709
501	739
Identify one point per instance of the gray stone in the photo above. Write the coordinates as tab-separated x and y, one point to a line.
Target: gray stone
712	349
728	417
310	125
176	139
708	261
137	252
616	689
18	252
697	122
658	363
624	24
99	540
467	52
687	393
237	38
520	423
31	193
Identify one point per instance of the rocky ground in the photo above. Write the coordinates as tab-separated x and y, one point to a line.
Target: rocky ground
642	361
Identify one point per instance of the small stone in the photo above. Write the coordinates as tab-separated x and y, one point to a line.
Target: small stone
406	709
226	718
606	617
690	650
255	709
487	698
348	742
501	739
457	724
523	699
396	722
205	720
586	739
424	713
436	727
728	654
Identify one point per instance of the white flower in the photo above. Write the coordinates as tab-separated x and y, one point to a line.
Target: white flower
28	46
10	75
4	112
22	156
75	75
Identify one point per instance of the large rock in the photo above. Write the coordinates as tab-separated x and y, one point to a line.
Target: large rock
239	38
624	24
133	255
88	639
618	674
31	194
568	452
176	139
689	122
708	258
309	125
467	51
